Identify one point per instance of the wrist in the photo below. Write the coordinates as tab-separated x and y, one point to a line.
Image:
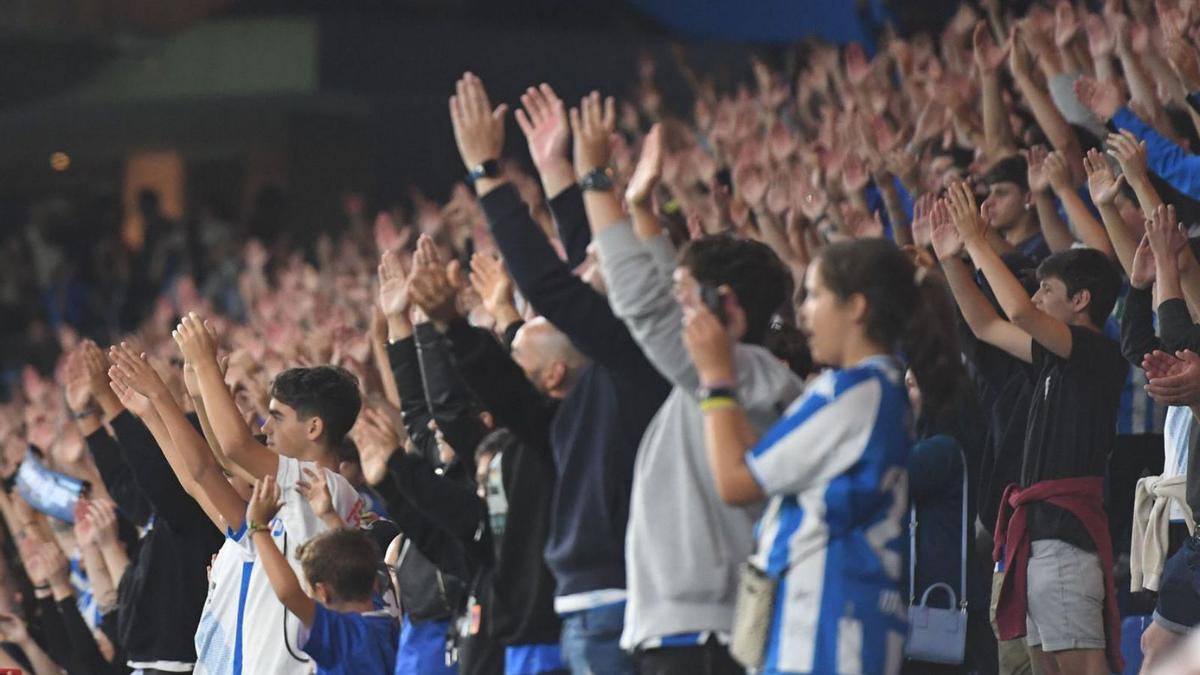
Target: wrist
557	175
208	365
505	316
84	412
717	377
61	589
399	327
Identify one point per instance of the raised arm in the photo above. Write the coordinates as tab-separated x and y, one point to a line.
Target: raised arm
1137	322
494	285
728	433
1047	115
981	318
543	120
1051	333
487	370
1104	188
639	194
998	136
574	307
235	439
1091	232
450	401
263	506
1058	235
1167	241
189	455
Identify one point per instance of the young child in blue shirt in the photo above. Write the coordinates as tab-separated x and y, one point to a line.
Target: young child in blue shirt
343	632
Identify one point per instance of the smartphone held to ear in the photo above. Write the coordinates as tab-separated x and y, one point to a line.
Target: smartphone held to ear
711	297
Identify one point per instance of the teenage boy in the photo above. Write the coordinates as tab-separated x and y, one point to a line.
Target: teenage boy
1054	520
1008	208
311	410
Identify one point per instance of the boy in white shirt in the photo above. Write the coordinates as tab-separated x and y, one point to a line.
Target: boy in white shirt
246	628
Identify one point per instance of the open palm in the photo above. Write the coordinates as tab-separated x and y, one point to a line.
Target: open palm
393	285
543	120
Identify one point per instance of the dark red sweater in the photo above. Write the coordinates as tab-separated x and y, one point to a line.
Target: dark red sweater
1084	498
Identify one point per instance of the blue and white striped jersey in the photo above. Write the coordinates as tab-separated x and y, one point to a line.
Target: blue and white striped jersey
835	470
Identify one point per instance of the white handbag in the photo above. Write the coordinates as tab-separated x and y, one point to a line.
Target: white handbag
938	635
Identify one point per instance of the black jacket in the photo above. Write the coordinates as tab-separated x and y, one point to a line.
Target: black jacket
599	425
162	594
521	606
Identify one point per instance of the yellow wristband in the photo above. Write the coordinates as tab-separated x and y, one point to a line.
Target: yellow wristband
718	403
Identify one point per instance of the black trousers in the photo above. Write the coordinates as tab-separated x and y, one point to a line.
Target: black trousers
710	658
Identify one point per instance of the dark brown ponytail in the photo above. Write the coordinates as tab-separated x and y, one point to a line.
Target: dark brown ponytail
908	312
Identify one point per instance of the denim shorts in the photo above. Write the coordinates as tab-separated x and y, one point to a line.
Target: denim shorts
1178	608
1065	597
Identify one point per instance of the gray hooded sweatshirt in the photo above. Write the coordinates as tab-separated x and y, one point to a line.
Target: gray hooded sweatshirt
683	545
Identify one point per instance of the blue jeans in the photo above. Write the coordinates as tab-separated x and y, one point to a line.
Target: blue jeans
591	641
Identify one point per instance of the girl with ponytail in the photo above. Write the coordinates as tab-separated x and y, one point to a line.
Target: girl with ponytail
833	469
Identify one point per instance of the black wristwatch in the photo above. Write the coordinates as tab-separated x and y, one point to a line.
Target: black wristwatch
599	179
489	168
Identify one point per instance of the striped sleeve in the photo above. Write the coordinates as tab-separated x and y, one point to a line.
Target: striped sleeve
822	437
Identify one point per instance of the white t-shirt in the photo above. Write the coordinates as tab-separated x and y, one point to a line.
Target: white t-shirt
242	629
1178	430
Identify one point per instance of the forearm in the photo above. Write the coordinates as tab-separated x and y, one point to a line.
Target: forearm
88	423
772	234
1091	233
505	316
97	573
1141	88
557	175
1123	241
283	578
183	453
976	311
232	435
728	436
116	561
1051	121
1189	279
603	209
645	221
210	437
1058	235
379	356
1167	279
1009	292
109	404
998	138
901	227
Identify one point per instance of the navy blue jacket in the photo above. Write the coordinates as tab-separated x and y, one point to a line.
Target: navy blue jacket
597	429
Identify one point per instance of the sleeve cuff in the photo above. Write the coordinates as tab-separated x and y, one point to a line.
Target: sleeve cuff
617	241
499	203
1125	119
